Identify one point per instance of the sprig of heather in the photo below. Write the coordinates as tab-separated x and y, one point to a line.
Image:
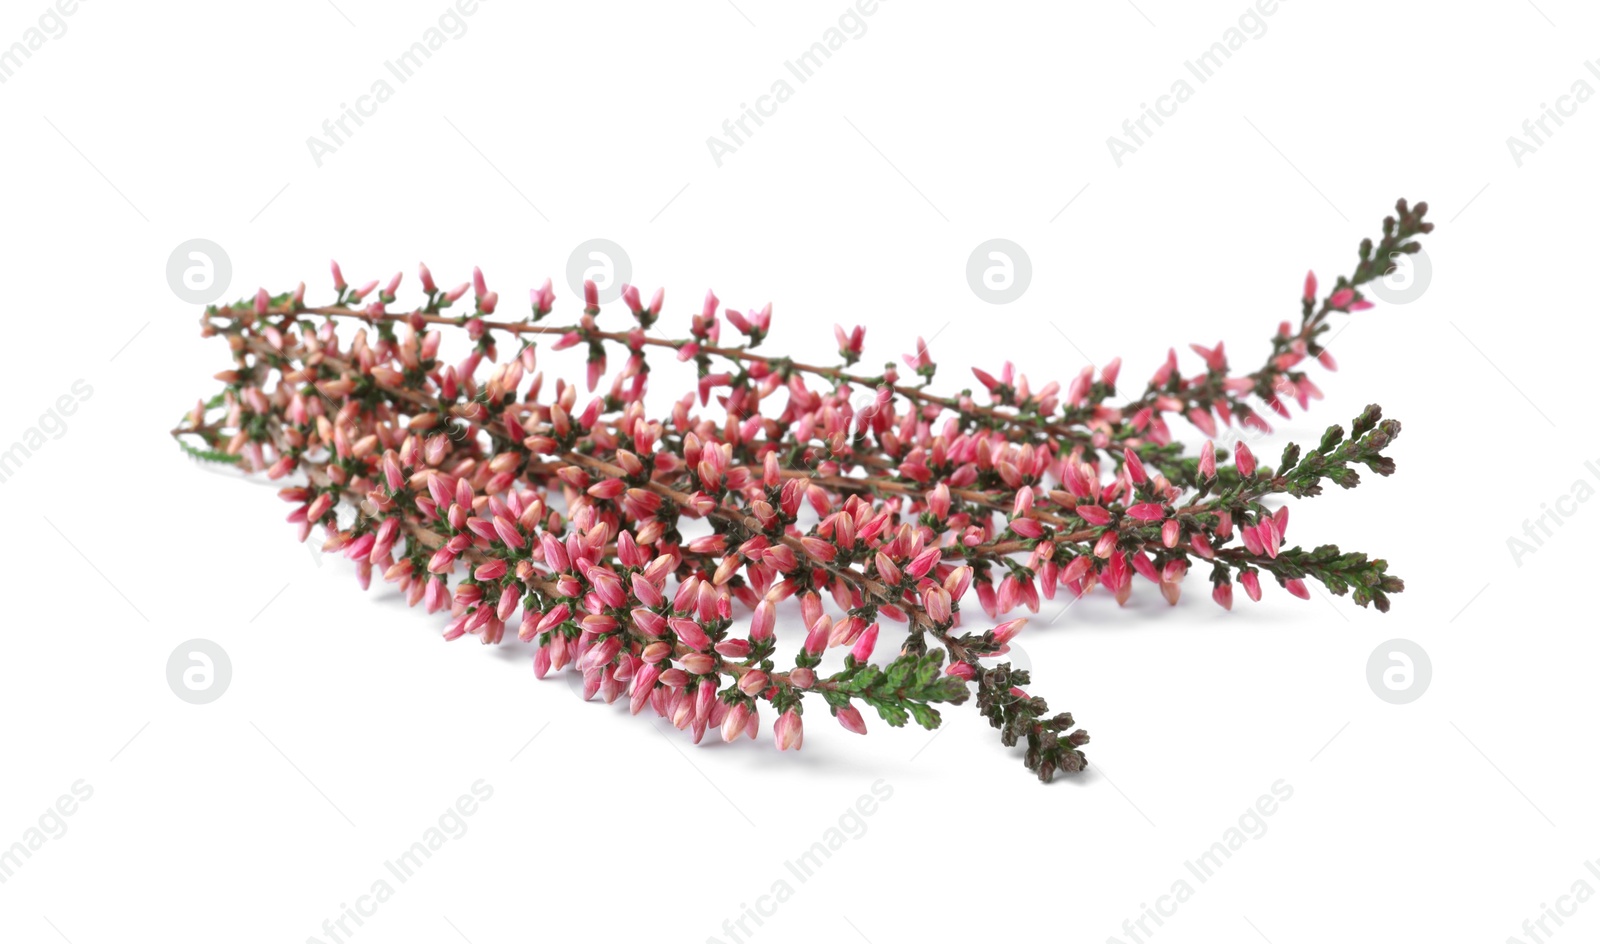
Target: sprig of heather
868	499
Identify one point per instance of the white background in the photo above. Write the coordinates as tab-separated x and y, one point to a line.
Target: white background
349	727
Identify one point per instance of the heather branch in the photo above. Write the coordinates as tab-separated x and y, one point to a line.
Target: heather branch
919	498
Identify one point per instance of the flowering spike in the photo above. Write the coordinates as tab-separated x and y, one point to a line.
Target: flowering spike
648	537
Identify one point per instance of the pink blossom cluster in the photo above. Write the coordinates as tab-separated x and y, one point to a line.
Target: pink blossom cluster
658	554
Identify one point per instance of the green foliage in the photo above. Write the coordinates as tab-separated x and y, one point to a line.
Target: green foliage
906	688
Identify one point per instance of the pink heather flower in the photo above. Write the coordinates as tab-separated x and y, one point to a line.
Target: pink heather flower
851	719
455	294
689	633
1342	298
1078	390
394	284
819	636
601	653
1252	584
1134	465
1094	514
762	623
1244	459
865	643
920	359
507	532
591	296
1222	593
923	562
761	321
1108	373
427	279
753	682
608	588
657	300
1008	630
711	381
1311	286
732	648
1027	527
1271	540
338	277
543	298
643	686
263	302
649	622
788	733
1215	359
1144	568
1297	587
487	303
1148	511
1208	460
630	297
734	722
392	472
1166	370
850	344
